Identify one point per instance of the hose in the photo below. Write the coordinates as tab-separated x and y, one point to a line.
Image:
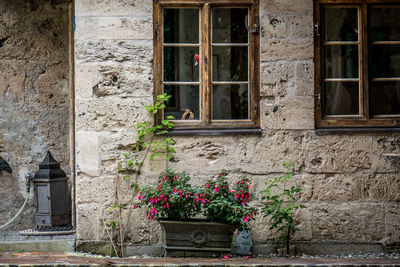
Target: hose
16	215
28	179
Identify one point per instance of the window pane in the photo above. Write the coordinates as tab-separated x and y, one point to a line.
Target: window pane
229	25
180	64
384	24
341	61
184	103
385	98
341	98
230	63
341	24
230	102
181	25
385	61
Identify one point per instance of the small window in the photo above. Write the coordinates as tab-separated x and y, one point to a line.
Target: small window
206	56
357	63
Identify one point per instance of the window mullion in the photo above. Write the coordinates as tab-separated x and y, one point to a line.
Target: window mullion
364	60
206	63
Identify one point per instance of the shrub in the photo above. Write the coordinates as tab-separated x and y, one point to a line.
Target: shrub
281	206
172	197
221	204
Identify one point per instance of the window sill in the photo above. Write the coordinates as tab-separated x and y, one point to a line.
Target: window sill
214	132
324	131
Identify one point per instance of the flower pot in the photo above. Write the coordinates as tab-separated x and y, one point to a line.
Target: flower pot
196	238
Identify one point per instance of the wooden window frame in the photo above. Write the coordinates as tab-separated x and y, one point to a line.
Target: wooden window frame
205	125
364	121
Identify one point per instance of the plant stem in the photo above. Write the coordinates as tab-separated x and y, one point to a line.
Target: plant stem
110	237
121	226
134	193
287	240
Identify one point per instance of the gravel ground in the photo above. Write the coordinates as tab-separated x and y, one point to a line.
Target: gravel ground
360	255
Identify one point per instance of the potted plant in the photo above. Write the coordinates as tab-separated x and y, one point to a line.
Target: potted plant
175	203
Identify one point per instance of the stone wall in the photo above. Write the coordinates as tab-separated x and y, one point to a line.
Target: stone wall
34	95
351	182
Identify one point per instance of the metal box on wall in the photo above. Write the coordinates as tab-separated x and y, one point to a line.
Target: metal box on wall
51	194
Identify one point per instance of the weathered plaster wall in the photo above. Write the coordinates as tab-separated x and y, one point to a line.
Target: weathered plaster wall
351	182
34	95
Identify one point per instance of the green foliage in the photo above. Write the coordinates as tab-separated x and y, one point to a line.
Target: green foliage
148	142
282	205
221	204
151	142
171	197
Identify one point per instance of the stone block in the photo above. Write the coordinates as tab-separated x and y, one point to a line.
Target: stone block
286	6
114	28
287	49
142	231
288	113
139	52
113	8
332	187
59	246
273	26
123	80
95	247
302	218
386	153
260	232
300	26
337	153
304	78
199	154
87	76
89	221
392	225
87	151
277	78
111	114
113	146
381	186
267	154
348	222
99	190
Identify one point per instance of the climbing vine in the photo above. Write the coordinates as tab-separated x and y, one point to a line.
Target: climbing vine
151	142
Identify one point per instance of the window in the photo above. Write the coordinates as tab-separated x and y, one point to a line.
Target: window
206	56
357	63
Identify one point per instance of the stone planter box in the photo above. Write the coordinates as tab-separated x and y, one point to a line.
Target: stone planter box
196	238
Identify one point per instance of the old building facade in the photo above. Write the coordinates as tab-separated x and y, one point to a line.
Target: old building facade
77	75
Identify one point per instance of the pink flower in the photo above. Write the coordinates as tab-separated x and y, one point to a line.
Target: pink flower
247	257
245	219
226	256
203	201
139	197
134	206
